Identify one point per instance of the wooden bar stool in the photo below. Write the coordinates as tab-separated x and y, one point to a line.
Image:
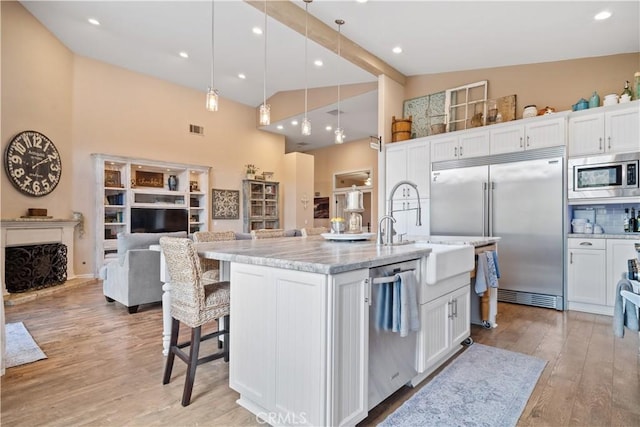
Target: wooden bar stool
194	302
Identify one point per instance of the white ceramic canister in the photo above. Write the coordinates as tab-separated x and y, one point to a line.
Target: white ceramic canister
588	228
354	199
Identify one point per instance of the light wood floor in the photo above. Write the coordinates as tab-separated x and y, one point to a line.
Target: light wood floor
104	368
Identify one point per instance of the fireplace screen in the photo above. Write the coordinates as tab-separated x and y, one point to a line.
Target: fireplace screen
35	267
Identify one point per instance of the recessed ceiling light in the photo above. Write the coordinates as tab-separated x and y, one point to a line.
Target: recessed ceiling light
397	49
94	21
318	63
257	30
605	14
184	54
242	76
280	127
294	122
362	1
328	128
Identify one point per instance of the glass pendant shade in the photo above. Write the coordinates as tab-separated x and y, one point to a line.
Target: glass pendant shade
212	99
339	136
306	127
265	114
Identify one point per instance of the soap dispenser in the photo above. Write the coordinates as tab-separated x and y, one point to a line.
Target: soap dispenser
594	101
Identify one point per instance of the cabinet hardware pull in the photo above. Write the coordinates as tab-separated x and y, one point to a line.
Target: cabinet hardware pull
528	143
600	143
609	143
455	151
570	257
586	244
520	142
460	151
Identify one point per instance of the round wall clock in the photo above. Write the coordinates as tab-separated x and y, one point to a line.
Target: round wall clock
32	163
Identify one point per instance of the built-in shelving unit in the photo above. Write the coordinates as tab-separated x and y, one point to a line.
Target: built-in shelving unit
123	184
260	204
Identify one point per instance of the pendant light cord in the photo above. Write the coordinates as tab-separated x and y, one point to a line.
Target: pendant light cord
339	22
306	41
264	99
212	41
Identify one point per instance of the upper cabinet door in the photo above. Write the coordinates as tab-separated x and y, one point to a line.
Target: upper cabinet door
586	135
418	168
507	139
408	161
444	148
622	130
396	165
473	144
545	133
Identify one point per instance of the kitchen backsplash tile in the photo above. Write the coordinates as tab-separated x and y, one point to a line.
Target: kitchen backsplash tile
609	217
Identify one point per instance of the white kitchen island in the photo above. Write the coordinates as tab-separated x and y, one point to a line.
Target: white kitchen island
300	322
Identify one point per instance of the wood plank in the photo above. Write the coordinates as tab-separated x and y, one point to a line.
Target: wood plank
105	367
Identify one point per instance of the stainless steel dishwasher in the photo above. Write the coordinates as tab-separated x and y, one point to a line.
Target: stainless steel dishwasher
392	358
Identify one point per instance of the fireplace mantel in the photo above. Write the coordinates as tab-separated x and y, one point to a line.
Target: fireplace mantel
34	231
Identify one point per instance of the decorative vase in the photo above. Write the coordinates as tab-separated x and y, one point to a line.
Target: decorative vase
251	176
173	183
594	101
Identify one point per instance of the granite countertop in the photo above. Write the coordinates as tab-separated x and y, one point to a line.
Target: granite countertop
312	254
627	236
475	241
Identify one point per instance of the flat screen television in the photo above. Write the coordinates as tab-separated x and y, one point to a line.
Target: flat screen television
149	220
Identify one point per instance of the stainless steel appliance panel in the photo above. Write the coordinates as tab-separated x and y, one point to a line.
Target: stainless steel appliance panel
392	358
604	176
459	201
526	201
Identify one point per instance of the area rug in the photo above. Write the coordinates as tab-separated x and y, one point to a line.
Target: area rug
484	386
21	348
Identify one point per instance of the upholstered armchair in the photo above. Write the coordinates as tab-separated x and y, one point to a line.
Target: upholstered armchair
134	277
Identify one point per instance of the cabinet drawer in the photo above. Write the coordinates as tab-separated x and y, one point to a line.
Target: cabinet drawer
586	243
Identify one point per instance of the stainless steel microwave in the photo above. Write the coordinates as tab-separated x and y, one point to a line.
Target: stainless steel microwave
614	175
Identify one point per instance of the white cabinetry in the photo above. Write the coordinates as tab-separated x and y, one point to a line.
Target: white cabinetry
614	129
408	161
539	132
310	332
125	185
445	324
587	271
594	268
460	145
618	252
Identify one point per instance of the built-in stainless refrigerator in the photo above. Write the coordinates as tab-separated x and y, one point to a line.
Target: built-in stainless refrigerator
518	197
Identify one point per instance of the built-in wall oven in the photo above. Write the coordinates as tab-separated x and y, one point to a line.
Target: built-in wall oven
614	175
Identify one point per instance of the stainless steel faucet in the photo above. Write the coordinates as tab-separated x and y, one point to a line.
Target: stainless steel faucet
389	233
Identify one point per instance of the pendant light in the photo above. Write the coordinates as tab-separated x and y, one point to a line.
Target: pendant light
212	93
265	109
339	131
306	124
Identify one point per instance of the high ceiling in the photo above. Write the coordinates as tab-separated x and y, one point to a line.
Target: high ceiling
436	37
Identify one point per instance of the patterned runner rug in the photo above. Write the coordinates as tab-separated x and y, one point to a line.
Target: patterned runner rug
21	348
484	386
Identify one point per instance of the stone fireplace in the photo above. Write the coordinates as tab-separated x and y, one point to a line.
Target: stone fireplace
45	243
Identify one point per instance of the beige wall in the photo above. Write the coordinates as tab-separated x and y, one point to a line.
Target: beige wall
353	156
299	177
37	81
86	106
557	84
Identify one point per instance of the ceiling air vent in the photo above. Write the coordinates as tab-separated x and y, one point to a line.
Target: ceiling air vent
196	130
